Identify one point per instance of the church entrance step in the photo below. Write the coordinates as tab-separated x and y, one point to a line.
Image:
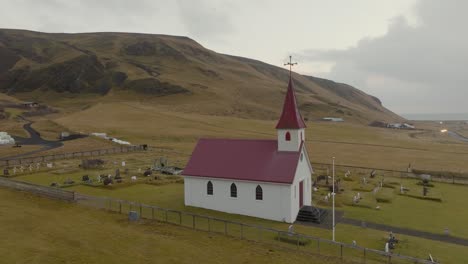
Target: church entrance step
311	214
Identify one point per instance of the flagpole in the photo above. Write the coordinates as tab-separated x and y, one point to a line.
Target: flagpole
333	197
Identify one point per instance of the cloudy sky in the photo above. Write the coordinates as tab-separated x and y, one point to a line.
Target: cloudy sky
412	54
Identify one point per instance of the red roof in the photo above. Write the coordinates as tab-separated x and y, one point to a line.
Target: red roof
290	118
241	159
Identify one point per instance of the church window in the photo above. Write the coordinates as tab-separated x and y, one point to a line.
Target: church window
209	188
233	190
302	156
258	193
288	136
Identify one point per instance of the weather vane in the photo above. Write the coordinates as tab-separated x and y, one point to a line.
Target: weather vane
290	63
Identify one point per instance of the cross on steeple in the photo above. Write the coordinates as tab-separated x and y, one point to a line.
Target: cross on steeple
290	63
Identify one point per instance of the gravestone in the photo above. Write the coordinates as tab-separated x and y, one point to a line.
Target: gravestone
107	181
117	173
148	172
133	216
291	230
425	190
85	178
6	172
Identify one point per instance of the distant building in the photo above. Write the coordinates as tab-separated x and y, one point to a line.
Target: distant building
400	126
333	119
64	135
30	104
268	179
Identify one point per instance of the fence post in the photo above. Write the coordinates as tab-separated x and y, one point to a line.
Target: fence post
364	255
166	215
141	211
341	252
297	244
241	231
209	224
193	221
318	246
225	228
152	212
180	218
120	207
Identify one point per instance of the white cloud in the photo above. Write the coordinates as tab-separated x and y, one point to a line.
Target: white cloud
412	68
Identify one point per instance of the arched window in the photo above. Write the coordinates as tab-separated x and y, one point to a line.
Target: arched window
233	190
209	188
258	193
302	156
288	136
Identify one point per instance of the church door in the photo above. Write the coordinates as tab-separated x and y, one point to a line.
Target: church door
301	194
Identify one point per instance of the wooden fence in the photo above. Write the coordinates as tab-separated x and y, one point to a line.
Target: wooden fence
38	189
277	238
70	155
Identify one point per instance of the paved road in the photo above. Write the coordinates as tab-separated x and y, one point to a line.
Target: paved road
340	219
457	136
33	139
407	231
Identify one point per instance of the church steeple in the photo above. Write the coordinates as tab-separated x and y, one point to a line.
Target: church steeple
290	117
290	127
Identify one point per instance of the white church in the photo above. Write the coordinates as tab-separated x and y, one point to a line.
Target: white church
269	179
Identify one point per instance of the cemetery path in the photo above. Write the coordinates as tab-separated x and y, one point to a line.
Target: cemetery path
406	231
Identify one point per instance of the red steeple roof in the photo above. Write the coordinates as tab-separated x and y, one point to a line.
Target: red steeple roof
290	118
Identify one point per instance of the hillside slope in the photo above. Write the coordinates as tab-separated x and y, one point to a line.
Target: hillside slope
169	71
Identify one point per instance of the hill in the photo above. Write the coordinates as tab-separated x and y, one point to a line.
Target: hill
169	71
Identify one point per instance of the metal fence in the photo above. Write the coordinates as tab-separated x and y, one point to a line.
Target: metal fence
436	176
70	155
38	189
277	238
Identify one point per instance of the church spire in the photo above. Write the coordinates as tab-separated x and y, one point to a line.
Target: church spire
290	117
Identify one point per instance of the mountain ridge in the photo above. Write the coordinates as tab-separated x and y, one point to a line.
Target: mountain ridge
152	67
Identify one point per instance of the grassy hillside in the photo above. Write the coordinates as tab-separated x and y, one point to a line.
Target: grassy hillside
171	71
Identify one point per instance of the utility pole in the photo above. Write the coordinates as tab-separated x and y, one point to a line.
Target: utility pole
333	197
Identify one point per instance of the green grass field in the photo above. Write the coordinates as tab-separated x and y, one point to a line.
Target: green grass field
175	134
402	211
39	230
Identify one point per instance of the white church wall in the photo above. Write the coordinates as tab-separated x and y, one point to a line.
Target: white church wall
296	138
303	173
274	206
